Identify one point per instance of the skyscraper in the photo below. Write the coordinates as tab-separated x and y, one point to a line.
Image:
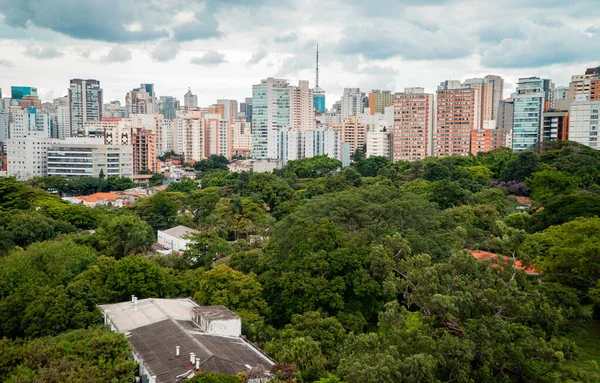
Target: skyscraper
141	100
379	100
246	109
530	104
318	92
270	114
190	100
352	103
167	106
413	125
17	92
458	108
85	103
230	108
584	121
302	111
587	84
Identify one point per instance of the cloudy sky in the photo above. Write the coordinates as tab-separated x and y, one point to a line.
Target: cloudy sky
220	48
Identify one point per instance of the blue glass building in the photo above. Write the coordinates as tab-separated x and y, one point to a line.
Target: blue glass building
18	92
319	101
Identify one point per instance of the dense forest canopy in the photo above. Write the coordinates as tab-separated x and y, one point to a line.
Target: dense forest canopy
356	274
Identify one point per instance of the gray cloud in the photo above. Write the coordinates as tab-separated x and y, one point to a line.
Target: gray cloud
543	46
209	58
94	20
257	57
204	26
165	50
43	52
289	38
117	54
6	63
85	53
494	33
413	43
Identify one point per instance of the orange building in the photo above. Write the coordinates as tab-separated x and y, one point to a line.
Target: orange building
413	125
352	132
486	139
379	100
457	116
144	151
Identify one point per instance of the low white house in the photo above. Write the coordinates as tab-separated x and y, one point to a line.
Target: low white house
175	238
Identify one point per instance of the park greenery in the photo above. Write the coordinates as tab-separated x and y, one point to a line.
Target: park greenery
342	274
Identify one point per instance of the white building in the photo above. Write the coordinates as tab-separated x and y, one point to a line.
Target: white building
584	121
217	136
4	124
175	238
270	116
174	339
164	136
188	137
378	144
352	103
30	122
190	100
241	132
379	122
76	157
27	156
302	111
323	142
85	103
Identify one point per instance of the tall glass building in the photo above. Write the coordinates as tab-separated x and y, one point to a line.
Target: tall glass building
270	114
319	100
17	92
529	107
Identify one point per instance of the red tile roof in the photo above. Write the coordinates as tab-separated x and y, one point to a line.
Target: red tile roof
482	255
523	200
99	196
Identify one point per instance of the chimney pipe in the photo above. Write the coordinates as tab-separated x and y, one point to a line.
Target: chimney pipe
197	364
192	357
176	350
133	298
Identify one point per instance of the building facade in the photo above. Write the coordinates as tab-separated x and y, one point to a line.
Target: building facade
412	135
302	111
74	158
530	102
584	121
270	115
351	104
85	103
27	156
379	100
144	151
190	100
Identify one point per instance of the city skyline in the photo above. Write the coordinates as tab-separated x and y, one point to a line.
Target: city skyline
220	50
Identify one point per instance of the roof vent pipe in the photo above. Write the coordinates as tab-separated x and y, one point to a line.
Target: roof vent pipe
192	357
176	350
197	364
133	298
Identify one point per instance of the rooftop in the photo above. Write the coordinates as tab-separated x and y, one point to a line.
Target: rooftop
216	312
99	196
179	231
156	326
482	255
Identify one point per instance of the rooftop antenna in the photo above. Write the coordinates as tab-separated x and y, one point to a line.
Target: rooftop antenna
317	87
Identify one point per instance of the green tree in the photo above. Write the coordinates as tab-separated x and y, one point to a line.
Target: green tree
206	248
232	289
522	167
117	183
29	227
159	210
546	184
135	275
13	195
213	162
313	167
242	216
78	356
186	186
369	167
157	179
124	235
211	377
83	185
219	178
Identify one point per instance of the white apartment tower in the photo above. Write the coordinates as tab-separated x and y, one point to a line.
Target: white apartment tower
85	104
302	112
270	116
352	103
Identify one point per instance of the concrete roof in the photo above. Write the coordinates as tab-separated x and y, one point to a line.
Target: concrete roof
216	313
179	231
156	326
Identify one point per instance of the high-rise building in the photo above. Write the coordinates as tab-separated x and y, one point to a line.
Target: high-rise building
28	102
114	109
188	137
76	157
17	92
85	103
141	100
555	125
27	156
586	84
63	117
530	102
353	132
352	103
487	138
167	106
559	98
230	108
318	92
505	115
270	114
217	135
584	120
494	95
30	122
144	151
241	132
412	135
458	113
246	109
379	100
302	111
4	124
322	142
190	100
378	144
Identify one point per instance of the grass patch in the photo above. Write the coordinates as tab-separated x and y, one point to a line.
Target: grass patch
587	337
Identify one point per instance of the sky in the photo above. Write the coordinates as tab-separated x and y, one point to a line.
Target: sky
220	48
